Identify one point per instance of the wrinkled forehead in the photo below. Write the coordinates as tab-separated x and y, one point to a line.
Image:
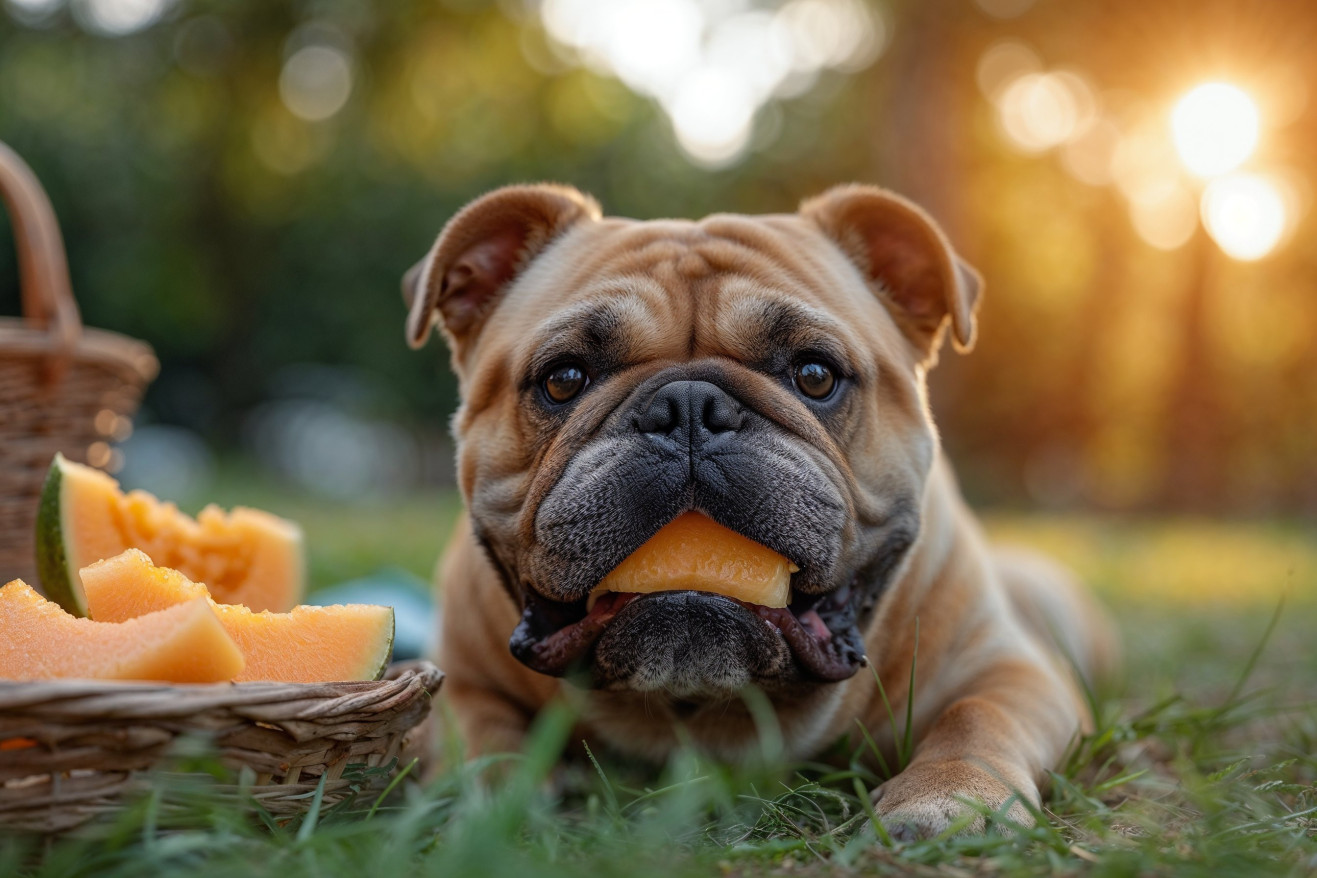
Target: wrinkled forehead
724	286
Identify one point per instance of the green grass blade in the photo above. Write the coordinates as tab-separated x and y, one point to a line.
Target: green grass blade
393	784
873	748
866	802
308	827
1253	658
610	795
907	747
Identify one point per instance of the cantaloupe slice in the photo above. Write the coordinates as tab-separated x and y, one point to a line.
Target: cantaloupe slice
245	557
695	552
306	645
184	643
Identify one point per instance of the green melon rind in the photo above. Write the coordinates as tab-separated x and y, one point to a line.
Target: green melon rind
388	648
58	575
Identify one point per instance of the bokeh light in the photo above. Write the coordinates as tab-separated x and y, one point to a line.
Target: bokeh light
827	33
712	65
1002	63
1041	110
1166	215
652	41
1089	157
119	17
1143	159
712	113
34	12
756	45
1215	128
316	82
1245	214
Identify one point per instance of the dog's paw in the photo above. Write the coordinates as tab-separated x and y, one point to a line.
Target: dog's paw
928	798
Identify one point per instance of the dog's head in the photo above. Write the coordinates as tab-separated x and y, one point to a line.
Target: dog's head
765	371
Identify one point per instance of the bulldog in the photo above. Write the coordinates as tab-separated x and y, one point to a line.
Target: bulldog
767	372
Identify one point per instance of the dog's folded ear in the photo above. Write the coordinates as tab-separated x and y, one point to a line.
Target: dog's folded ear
906	258
480	251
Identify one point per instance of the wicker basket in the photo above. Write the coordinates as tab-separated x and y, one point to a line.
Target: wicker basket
71	750
62	387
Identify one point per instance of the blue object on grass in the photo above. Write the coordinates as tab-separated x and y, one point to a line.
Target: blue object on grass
413	605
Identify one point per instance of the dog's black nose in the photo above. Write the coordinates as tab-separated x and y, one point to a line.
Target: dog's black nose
690	408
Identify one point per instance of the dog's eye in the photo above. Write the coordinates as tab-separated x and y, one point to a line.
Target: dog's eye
815	379
564	382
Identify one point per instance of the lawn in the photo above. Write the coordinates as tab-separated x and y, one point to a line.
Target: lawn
1203	764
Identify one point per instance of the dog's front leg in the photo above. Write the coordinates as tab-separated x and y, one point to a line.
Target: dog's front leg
992	745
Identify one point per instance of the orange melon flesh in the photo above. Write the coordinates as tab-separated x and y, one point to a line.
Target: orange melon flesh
695	552
245	556
184	643
306	645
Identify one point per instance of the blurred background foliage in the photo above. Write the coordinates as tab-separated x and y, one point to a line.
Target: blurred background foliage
242	184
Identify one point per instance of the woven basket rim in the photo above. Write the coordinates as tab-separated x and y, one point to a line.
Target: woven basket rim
75	748
17	336
140	698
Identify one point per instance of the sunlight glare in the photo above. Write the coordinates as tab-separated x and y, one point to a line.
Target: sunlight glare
759	51
712	113
1245	214
1215	128
653	43
712	64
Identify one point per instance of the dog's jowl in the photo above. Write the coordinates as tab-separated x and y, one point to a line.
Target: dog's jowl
766	372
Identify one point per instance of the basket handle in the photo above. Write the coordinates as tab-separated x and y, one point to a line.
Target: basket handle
43	269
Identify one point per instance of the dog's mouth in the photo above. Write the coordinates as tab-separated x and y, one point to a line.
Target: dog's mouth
820	630
554	637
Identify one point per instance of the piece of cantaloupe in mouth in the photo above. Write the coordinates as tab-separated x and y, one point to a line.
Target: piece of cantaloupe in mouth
245	556
695	553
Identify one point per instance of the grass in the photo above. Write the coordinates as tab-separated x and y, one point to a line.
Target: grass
1205	764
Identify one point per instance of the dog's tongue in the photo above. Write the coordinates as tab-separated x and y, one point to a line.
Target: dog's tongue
694	552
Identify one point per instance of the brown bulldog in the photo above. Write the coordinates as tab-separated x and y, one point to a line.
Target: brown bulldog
768	372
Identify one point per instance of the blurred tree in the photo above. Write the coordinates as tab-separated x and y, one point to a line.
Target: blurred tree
243	183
